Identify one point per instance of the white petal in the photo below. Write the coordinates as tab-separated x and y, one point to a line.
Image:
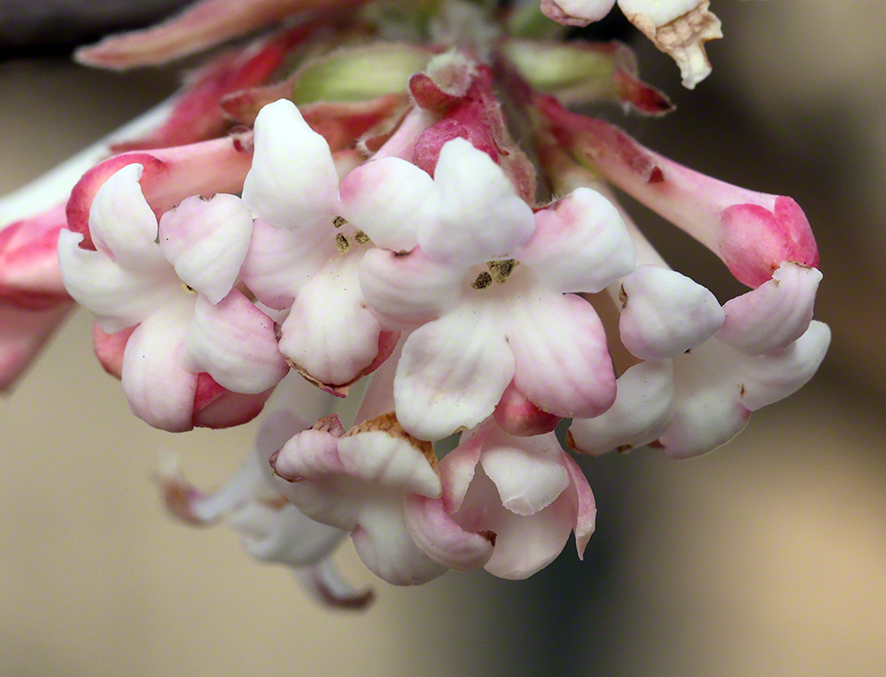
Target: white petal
526	470
280	261
580	244
122	224
383	543
392	461
452	373
293	181
234	342
160	391
117	297
473	215
405	289
330	334
771	378
206	242
666	313
284	535
641	413
383	198
774	314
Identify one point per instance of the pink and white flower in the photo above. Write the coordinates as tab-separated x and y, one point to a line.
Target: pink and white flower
765	349
271	528
304	256
174	282
524	493
487	285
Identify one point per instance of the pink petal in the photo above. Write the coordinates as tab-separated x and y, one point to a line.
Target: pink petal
523	544
116	297
330	334
281	261
22	334
583	505
383	198
774	314
473	215
458	467
526	470
442	539
215	407
121	223
293	181
580	244
203	25
408	288
452	373
641	413
206	242
159	390
665	313
562	362
235	343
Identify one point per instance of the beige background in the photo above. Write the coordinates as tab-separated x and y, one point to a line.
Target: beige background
765	558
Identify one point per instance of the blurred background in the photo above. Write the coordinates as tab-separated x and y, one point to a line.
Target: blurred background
765	558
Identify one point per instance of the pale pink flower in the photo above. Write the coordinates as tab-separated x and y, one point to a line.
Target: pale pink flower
271	528
760	348
174	282
305	256
525	493
486	284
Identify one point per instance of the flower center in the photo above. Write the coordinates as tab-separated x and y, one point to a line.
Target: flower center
499	272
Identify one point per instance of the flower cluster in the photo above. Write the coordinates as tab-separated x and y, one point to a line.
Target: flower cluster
373	217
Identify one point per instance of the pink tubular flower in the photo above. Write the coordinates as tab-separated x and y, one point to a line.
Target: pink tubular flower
33	300
525	492
753	233
174	283
486	282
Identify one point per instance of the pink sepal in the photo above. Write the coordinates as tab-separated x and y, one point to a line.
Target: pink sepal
170	175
